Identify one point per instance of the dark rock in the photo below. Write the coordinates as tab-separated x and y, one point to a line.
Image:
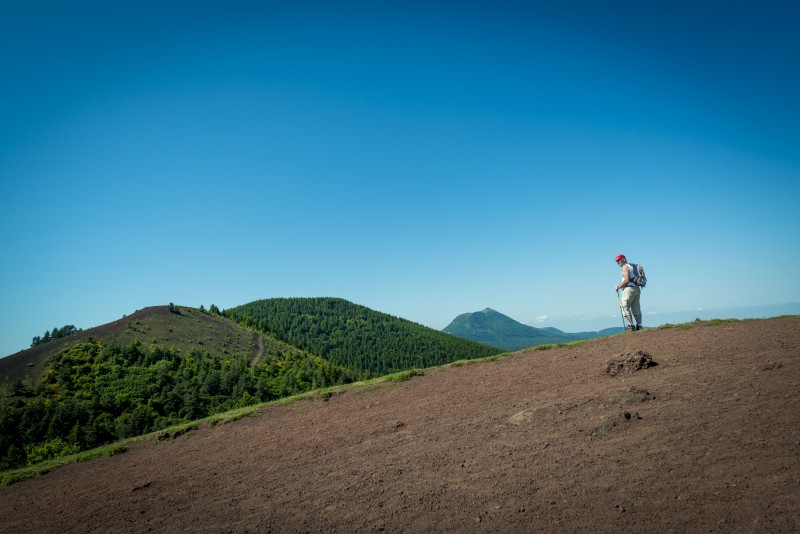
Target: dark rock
629	362
635	396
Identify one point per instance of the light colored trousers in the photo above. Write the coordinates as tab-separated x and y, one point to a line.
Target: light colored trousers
630	303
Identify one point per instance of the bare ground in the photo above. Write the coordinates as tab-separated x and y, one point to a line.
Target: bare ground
708	439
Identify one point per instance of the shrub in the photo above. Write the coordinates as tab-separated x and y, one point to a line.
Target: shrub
55	448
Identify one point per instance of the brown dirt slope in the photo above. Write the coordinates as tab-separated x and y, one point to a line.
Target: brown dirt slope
708	439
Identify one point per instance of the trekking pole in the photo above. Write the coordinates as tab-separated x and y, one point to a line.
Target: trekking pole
624	326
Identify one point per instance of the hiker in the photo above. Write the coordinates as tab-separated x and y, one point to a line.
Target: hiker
630	294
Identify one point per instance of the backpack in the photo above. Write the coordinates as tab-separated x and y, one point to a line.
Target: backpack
637	275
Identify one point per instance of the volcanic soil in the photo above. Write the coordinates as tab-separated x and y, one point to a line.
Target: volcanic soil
679	429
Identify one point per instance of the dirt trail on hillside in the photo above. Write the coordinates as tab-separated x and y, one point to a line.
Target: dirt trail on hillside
707	439
259	351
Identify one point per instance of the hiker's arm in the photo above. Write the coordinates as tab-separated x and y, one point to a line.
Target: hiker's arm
626	277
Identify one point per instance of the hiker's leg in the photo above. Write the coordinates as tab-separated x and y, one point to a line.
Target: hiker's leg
635	308
627	296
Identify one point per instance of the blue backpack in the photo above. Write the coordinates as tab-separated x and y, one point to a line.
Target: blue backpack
637	275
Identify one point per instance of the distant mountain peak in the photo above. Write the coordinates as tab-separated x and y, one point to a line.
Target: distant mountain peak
493	328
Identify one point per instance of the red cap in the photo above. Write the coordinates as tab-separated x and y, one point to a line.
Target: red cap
619	257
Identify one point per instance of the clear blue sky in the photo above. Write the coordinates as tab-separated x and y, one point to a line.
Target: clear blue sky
424	159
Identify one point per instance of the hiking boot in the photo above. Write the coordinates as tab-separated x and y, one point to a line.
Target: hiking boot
630	328
638	327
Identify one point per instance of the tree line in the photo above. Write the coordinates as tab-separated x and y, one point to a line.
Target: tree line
57	333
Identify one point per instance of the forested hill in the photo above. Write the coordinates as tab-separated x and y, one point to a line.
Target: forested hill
355	336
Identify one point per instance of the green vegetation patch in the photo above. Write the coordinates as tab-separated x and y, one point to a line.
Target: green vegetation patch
175	432
558	345
698	322
717	322
403	375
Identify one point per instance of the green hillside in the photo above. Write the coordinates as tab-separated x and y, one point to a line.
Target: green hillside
160	367
354	336
497	330
178	327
